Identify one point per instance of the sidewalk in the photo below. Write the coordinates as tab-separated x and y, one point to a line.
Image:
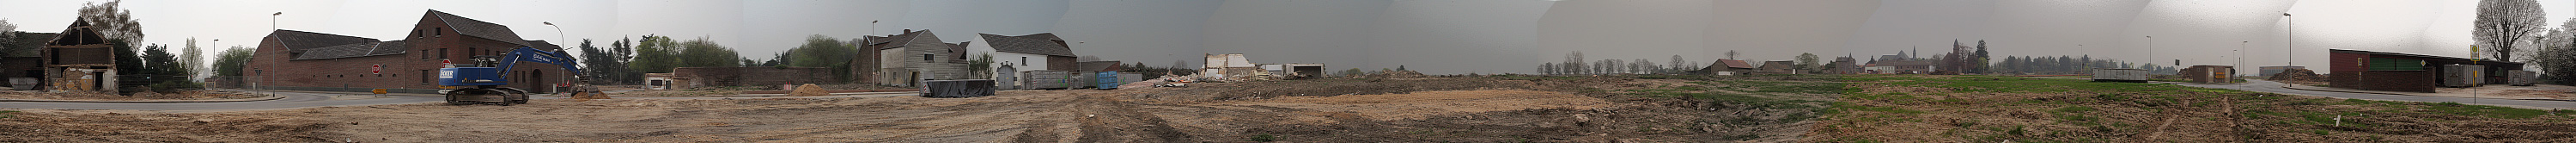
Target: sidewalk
2485	92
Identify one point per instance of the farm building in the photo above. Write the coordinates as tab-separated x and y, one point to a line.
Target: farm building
1729	67
2385	71
1780	67
2209	74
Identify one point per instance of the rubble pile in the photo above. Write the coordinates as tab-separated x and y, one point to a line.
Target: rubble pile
2303	75
1165	81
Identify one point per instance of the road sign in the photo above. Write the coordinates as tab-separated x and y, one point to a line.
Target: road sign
376	69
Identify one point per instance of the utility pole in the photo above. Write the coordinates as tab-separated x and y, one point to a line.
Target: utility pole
2294	39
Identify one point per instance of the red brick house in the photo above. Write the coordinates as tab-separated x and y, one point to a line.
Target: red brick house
300	60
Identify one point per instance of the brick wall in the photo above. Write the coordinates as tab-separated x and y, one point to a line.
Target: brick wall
754	76
2407	81
2346	67
270	67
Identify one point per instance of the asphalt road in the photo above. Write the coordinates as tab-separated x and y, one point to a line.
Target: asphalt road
292	100
2275	87
296	100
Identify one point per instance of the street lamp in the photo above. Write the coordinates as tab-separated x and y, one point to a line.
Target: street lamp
272	20
559	34
2294	39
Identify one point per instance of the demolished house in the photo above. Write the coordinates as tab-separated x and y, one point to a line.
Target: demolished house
915	55
1226	66
79	59
1229	66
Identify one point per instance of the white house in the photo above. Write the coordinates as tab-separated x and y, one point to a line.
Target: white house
1041	51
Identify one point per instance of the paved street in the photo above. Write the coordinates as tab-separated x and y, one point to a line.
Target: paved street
2275	87
292	100
318	99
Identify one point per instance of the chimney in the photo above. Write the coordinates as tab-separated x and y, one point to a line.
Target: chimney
907	31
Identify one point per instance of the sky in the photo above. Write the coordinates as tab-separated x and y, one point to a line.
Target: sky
1432	36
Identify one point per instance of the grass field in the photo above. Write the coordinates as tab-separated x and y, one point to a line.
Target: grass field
1926	108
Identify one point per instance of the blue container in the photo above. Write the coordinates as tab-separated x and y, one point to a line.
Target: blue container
470	76
1108	80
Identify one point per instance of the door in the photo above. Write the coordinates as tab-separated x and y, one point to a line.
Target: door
1002	77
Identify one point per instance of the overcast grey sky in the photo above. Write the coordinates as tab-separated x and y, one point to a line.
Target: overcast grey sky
1434	36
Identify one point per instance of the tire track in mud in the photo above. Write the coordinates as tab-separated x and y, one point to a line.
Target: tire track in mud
1106	119
978	111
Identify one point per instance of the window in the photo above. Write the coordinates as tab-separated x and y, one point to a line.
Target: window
439	31
425	79
1024	61
927	57
2396	64
442	53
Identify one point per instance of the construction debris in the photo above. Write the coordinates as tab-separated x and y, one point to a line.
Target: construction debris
809	90
1165	81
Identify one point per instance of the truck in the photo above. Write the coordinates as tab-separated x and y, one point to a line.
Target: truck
484	84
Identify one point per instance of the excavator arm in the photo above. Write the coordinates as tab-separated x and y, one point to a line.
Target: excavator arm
525	54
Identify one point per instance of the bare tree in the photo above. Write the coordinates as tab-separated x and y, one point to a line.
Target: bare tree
115	21
1573	64
1677	64
2503	23
1730	54
1547	68
1808	61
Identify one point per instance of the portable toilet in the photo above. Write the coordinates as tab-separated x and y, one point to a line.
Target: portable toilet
1108	79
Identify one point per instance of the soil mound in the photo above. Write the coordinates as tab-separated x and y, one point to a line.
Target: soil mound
2303	75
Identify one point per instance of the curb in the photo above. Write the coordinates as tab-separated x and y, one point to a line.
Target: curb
270	97
2380	93
349	93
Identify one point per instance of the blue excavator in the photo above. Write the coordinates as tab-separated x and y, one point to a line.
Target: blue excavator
484	84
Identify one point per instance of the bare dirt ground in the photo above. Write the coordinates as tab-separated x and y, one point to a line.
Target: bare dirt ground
1419	109
183	95
2000	109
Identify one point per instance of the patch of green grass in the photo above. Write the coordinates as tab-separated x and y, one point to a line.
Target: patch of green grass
2004	84
2483	110
4	114
2074	109
1841	107
1263	138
